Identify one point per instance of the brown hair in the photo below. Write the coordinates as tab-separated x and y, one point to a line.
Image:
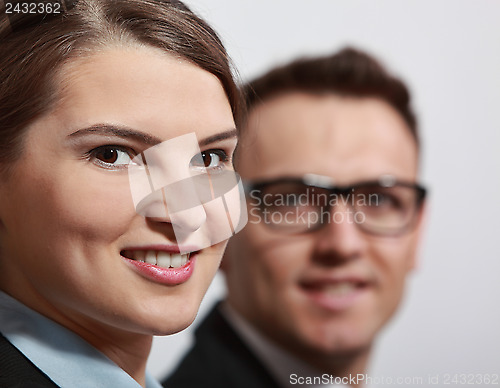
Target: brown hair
349	72
32	51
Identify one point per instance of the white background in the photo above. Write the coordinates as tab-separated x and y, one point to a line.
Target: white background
449	53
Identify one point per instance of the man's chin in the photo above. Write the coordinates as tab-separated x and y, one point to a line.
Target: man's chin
342	339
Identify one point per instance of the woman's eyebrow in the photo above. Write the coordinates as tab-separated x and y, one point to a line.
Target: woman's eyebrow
120	131
218	137
127	133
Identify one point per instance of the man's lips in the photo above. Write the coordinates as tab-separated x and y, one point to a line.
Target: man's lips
334	283
335	293
323	277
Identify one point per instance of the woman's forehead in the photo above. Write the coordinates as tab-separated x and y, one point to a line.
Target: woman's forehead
156	92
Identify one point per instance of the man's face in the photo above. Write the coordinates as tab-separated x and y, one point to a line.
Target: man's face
331	290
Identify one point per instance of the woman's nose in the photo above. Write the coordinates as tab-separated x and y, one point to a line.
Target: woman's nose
188	221
181	209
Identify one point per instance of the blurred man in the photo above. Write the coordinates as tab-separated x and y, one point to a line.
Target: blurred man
329	154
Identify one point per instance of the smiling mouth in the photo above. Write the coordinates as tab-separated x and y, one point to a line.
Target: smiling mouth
335	289
159	258
335	295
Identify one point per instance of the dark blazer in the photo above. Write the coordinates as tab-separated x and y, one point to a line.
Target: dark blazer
16	371
219	359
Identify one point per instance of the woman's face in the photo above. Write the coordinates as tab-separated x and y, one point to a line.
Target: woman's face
71	239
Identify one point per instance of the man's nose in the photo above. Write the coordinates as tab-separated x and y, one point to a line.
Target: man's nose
340	237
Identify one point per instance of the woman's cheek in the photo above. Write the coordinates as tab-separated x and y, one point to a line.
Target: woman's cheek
99	205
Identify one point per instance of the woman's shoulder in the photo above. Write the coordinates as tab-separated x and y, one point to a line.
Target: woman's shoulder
17	371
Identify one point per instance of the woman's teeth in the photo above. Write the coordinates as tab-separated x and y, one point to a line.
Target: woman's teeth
159	258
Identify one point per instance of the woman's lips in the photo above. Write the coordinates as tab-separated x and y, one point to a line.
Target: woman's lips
165	266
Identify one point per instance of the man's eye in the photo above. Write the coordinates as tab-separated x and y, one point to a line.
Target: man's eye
385	201
210	159
111	156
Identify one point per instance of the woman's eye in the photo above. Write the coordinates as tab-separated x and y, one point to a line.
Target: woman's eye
210	159
111	156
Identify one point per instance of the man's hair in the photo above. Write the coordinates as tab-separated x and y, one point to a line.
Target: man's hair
350	72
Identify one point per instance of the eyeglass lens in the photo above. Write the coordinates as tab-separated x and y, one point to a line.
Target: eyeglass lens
295	207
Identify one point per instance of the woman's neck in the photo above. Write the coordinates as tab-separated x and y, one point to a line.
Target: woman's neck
127	349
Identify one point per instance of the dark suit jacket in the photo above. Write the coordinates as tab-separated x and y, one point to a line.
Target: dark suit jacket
219	359
16	371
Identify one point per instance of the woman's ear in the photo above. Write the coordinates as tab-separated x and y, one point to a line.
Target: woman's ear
226	259
5	177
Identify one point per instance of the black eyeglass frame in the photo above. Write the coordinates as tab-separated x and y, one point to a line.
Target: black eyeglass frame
326	183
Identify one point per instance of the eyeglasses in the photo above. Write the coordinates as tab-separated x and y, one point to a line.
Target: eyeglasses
385	207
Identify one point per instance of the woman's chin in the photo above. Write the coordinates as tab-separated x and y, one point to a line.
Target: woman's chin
171	328
170	324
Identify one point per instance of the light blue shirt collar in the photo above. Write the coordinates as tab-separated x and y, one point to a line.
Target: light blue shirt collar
61	354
